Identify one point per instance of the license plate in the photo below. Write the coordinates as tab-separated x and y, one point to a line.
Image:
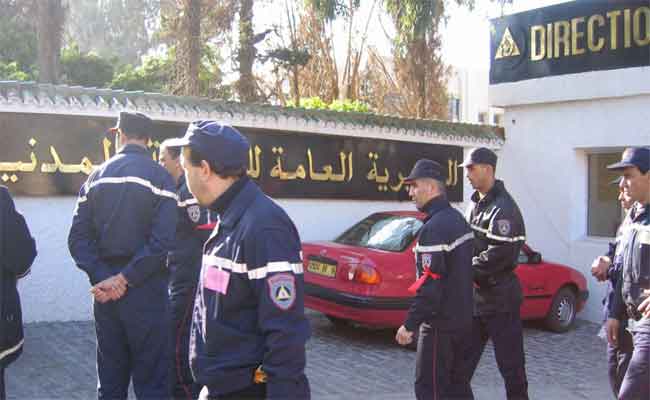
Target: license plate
322	268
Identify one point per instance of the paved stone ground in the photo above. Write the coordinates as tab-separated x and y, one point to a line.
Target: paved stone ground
343	363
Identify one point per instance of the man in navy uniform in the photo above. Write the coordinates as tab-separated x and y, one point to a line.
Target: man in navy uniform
122	229
184	262
499	234
632	292
249	328
609	268
442	308
17	253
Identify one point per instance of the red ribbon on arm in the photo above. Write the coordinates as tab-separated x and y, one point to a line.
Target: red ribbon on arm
206	227
425	274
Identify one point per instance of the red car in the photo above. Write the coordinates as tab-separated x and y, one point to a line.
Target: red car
363	275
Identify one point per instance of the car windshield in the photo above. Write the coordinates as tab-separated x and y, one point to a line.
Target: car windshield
383	232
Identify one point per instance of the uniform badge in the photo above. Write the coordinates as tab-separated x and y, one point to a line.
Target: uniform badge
282	290
426	260
194	212
503	226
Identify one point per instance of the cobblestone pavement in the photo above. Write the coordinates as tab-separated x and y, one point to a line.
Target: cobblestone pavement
343	363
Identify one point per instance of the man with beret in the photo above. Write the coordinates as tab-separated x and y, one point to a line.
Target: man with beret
499	234
122	229
17	252
442	308
633	289
249	327
195	223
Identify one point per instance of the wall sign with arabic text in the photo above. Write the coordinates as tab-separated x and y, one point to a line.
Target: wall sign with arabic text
53	155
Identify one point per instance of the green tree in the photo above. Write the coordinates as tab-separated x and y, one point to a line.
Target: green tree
88	69
12	72
18	42
113	28
155	74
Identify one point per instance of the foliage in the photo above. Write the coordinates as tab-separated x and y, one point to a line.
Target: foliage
88	69
153	75
12	72
316	103
18	41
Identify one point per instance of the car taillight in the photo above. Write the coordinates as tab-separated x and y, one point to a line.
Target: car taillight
365	274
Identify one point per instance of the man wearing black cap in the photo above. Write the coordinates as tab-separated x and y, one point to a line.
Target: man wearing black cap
249	328
633	289
442	308
608	268
195	223
499	234
122	229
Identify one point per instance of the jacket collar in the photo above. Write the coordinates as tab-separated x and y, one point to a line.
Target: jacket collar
641	213
434	205
181	182
132	148
233	203
491	195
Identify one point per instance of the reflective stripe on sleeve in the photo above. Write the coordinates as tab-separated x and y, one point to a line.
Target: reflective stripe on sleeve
137	181
445	247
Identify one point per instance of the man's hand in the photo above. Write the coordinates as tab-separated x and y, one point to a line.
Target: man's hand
403	336
644	307
612	326
599	268
110	289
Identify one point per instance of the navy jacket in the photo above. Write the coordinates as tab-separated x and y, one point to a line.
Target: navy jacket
445	246
193	229
125	219
256	316
635	274
615	254
17	253
499	234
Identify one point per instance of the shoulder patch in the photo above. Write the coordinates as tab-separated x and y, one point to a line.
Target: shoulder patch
504	227
194	213
282	290
426	260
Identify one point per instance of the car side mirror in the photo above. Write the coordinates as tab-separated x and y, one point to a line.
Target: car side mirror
535	258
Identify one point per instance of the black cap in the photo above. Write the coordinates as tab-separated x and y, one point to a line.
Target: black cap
134	123
425	168
481	155
222	145
634	157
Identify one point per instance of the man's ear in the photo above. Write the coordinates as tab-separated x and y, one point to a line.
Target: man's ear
205	170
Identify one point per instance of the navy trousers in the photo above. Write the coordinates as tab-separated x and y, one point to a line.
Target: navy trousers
636	383
182	383
132	343
438	371
506	332
618	359
3	394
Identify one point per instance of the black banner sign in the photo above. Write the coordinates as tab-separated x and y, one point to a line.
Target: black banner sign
53	154
574	37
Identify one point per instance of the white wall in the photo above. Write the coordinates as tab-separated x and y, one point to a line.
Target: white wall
57	291
544	159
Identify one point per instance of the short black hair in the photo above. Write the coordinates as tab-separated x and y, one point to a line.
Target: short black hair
196	158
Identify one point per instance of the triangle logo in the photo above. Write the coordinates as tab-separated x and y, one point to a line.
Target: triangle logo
283	294
507	47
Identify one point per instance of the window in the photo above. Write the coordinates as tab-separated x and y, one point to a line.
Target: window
382	231
604	210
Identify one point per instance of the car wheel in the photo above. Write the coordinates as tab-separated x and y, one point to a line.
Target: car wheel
562	314
338	322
